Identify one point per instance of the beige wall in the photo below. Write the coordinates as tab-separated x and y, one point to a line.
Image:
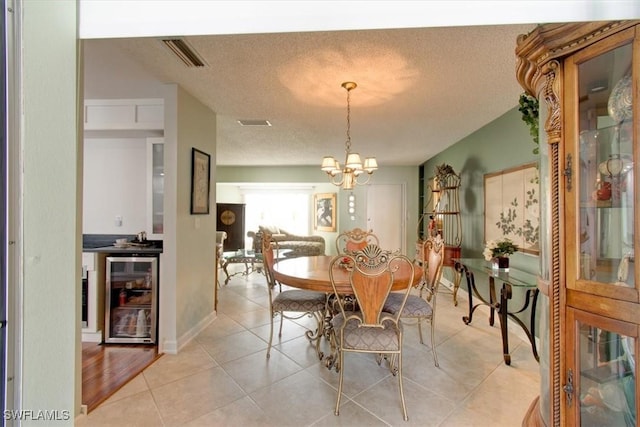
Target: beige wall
195	234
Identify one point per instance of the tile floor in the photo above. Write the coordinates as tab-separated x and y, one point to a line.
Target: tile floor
222	378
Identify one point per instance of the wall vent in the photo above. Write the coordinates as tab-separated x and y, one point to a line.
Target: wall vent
185	52
244	122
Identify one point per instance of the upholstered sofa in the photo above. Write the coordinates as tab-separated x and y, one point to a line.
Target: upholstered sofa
296	245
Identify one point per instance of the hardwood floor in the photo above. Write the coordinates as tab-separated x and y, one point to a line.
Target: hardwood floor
107	367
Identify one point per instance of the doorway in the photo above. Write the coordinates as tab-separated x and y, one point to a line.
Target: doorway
386	214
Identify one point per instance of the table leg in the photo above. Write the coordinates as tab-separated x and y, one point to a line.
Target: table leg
532	335
505	295
457	277
226	272
459	269
492	301
531	295
471	289
331	360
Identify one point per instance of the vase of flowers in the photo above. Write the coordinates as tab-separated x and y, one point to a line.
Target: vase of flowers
498	251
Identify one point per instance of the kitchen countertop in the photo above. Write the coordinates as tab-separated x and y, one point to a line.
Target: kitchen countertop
104	243
128	250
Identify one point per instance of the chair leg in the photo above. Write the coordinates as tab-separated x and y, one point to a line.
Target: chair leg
341	358
433	343
420	330
270	337
404	407
281	322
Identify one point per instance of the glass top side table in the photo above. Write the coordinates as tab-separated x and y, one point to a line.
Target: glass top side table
514	279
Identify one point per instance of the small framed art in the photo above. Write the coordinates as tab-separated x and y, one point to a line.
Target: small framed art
325	212
200	182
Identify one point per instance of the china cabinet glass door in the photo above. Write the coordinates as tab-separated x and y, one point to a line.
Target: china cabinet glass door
605	370
602	295
605	174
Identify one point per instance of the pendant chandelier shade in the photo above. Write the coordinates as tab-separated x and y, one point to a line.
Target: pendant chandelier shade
347	176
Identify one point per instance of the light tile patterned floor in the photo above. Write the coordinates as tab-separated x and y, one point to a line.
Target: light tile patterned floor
222	378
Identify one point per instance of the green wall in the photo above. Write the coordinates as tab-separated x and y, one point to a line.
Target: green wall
501	144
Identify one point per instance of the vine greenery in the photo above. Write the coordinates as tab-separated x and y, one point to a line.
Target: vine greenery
529	109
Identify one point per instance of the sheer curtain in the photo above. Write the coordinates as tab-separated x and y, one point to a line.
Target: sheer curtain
285	208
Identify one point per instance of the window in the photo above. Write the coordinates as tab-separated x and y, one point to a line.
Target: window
286	208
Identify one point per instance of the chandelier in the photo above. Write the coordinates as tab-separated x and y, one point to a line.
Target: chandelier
347	177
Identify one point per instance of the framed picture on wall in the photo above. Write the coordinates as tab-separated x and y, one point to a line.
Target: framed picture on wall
200	182
511	206
324	218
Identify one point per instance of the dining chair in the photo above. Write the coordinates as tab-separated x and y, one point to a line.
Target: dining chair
354	240
220	238
298	301
423	306
367	328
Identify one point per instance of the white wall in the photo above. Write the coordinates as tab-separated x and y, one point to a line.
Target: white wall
114	178
122	19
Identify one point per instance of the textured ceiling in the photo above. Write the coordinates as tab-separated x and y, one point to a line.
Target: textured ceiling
419	90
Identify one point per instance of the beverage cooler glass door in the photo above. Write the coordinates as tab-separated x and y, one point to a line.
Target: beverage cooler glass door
131	302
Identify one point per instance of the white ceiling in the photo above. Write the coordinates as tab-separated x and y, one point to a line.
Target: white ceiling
419	90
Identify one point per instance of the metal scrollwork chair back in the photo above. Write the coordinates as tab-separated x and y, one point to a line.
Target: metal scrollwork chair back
369	329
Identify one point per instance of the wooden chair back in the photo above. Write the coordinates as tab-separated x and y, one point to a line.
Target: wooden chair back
433	252
371	275
268	259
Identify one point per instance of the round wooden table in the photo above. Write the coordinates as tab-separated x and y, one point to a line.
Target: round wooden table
312	273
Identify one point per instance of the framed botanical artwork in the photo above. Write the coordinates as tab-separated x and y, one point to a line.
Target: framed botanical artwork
200	181
512	206
324	218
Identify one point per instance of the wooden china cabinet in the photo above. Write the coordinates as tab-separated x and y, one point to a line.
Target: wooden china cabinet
586	77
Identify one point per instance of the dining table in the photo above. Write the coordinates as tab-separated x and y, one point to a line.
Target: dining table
312	273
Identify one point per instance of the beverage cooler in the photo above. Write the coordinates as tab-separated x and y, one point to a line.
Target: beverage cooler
131	299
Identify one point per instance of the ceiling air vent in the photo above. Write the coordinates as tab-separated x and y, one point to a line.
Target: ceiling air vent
254	122
185	52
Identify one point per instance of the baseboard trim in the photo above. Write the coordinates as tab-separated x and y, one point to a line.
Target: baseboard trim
188	336
88	336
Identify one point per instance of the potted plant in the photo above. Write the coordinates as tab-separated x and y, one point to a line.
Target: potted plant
498	251
528	106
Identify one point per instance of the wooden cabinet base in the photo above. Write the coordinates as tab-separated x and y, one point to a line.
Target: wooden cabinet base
533	418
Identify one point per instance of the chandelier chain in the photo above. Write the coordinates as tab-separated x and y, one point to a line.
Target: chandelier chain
348	143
